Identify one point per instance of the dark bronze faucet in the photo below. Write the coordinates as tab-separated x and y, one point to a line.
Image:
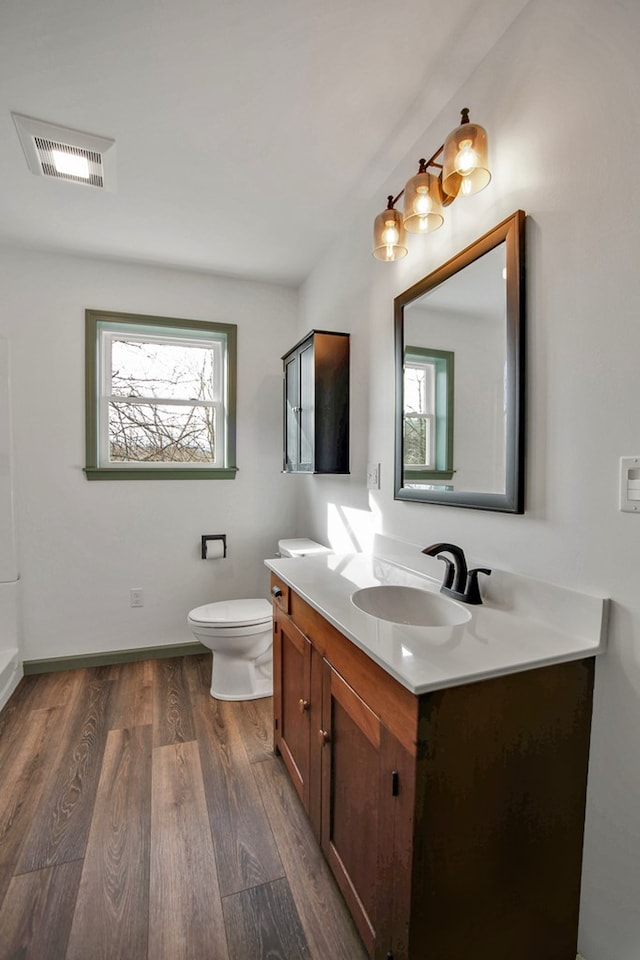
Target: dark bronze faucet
458	582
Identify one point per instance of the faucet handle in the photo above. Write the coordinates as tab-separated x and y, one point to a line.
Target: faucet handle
472	589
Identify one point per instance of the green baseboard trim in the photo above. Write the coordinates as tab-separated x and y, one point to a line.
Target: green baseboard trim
113	656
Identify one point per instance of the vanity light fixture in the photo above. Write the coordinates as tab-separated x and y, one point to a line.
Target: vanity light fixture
463	167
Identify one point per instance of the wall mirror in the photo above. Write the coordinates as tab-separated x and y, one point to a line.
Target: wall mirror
459	341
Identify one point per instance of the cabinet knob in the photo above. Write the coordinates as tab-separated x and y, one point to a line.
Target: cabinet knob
323	737
276	592
303	705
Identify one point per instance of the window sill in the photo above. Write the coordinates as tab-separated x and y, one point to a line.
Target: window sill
418	475
160	473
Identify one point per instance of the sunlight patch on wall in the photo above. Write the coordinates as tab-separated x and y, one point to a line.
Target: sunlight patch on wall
350	530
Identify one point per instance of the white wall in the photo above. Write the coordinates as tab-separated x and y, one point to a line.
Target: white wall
10	654
559	97
83	544
8	562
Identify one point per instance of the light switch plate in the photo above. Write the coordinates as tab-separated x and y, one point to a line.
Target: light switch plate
373	476
630	484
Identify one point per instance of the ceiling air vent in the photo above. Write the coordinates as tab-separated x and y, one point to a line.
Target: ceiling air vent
64	154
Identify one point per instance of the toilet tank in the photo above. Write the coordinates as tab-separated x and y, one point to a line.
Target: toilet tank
301	547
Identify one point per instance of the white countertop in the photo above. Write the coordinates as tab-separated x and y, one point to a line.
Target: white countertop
522	624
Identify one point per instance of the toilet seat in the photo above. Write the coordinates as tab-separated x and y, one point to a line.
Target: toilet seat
230	614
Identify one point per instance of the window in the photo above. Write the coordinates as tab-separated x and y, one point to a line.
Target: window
428	414
160	397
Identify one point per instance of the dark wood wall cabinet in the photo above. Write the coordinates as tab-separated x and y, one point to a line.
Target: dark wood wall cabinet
452	821
316	404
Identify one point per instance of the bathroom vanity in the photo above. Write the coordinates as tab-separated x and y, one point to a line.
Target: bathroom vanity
443	770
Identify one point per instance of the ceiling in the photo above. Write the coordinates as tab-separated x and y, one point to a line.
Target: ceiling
246	130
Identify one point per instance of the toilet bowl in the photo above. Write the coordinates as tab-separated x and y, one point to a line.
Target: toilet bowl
239	633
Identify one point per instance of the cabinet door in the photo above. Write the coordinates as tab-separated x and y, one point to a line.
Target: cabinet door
307	408
354	784
291	413
292	692
299	410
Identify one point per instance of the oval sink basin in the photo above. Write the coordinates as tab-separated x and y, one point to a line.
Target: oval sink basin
409	605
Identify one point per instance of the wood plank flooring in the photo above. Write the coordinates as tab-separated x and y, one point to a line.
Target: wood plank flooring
142	820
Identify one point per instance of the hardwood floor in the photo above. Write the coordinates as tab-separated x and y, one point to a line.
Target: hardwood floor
142	820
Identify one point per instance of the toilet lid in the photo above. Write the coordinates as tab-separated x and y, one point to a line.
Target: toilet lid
301	547
233	613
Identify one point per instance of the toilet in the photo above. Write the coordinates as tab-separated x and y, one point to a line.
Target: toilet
240	635
239	632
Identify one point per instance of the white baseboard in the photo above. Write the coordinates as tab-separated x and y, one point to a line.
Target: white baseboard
10	674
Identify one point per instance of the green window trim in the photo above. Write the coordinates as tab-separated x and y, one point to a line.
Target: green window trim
153	473
94	470
416	474
443	361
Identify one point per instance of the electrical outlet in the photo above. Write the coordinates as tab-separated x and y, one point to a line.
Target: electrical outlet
136	597
373	476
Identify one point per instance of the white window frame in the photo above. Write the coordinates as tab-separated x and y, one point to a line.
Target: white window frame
107	334
428	413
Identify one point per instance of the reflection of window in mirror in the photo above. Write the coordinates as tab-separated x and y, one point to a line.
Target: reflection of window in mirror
428	414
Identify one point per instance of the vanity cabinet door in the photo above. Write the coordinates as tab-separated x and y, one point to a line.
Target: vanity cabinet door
357	787
292	696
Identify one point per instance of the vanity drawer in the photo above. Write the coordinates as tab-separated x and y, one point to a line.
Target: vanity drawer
280	594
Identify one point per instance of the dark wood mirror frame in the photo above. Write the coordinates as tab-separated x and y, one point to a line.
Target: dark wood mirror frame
512	232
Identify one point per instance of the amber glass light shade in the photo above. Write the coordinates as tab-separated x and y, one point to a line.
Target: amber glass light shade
389	234
465	160
422	203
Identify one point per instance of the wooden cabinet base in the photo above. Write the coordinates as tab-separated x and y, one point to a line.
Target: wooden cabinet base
453	821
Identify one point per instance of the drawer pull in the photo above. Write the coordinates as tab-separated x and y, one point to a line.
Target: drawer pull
276	592
303	705
323	737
